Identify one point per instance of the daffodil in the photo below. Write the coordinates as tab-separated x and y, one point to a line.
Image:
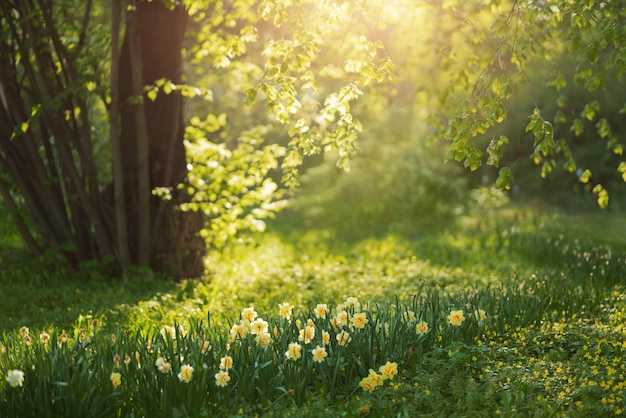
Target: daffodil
258	326
285	310
263	339
456	318
359	320
249	314
421	328
186	371
15	377
222	378
343	338
294	352
307	334
162	365
116	379
226	363
389	370
321	310
319	354
367	384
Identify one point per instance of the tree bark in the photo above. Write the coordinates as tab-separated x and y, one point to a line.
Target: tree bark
121	224
173	234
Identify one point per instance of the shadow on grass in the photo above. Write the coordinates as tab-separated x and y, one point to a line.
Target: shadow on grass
39	294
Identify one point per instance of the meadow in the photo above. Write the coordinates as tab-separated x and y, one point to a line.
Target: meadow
499	312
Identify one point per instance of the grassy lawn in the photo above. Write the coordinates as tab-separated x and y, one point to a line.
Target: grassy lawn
542	331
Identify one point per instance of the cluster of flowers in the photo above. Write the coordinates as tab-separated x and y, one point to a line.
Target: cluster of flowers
348	314
15	377
348	318
373	380
186	370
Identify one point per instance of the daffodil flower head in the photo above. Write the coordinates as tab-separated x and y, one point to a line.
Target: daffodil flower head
456	318
15	377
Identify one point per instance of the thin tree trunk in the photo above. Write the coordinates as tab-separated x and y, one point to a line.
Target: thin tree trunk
143	175
121	221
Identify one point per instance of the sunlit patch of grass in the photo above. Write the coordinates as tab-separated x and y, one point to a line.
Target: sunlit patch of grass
550	343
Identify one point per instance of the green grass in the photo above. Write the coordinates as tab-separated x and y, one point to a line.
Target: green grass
551	344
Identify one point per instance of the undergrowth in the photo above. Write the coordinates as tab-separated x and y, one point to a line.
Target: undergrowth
541	333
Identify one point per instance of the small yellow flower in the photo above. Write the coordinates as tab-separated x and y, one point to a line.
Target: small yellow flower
325	337
249	314
226	363
15	377
44	337
456	318
263	339
285	310
206	346
237	331
343	338
367	384
186	371
259	326
222	378
389	370
342	318
307	334
162	365
377	379
480	315
294	352
116	379
421	328
116	360
24	331
359	320
353	303
321	310
319	354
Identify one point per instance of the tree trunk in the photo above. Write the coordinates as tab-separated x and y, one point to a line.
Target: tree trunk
174	242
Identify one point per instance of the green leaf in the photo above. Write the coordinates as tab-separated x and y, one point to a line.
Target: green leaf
505	177
577	127
591	52
590	110
251	95
152	94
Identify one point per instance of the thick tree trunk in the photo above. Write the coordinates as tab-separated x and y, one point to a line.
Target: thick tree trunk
174	241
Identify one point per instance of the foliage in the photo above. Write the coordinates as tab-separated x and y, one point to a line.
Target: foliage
527	34
270	55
